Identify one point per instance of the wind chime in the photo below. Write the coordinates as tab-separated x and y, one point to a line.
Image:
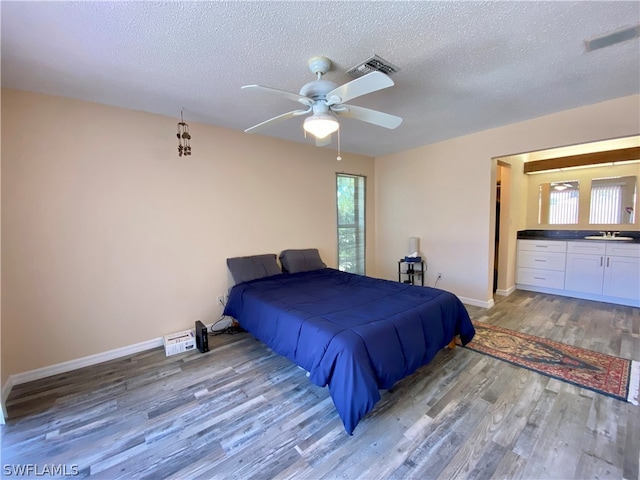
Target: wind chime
184	147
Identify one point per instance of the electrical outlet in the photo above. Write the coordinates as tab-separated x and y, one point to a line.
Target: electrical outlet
438	275
221	300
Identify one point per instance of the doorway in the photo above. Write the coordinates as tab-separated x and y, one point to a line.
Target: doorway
502	227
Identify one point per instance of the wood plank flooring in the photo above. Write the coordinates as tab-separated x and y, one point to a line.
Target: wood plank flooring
241	411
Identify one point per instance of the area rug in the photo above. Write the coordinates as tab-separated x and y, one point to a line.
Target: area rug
605	374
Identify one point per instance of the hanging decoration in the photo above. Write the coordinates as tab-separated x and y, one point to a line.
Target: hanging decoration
184	146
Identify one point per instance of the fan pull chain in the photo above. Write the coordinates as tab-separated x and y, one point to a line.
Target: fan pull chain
338	157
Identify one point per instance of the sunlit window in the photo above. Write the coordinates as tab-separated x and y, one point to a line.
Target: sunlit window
563	203
350	202
606	204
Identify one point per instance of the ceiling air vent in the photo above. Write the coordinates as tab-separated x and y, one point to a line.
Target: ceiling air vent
372	64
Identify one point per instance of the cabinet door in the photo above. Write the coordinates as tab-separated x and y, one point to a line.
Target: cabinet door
622	277
584	273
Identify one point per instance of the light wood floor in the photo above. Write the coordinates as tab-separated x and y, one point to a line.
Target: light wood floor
241	411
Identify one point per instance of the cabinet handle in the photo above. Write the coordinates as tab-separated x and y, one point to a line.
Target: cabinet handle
601	260
542	246
540	278
607	262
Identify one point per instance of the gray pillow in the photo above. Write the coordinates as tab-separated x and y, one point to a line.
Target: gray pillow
244	269
303	260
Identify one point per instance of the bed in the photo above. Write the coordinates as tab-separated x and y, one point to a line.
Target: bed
352	333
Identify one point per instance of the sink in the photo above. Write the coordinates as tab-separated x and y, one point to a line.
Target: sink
600	237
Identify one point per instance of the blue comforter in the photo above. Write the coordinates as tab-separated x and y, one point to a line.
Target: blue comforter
355	334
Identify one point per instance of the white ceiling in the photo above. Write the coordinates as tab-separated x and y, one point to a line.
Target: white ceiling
465	66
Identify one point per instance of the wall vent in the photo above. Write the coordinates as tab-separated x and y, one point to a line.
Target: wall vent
622	35
372	64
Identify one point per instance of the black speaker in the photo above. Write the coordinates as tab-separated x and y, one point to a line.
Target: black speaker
202	339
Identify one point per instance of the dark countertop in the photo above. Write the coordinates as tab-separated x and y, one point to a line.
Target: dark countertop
575	235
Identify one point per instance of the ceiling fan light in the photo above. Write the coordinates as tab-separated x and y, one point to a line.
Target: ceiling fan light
320	125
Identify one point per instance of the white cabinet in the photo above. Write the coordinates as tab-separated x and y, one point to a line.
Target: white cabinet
622	272
541	263
605	269
542	246
585	267
597	270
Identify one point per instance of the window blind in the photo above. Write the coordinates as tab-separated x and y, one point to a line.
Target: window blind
606	204
563	206
350	202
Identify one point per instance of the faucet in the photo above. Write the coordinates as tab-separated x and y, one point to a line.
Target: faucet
615	233
605	234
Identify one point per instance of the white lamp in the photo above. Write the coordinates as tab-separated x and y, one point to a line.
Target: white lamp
320	125
414	246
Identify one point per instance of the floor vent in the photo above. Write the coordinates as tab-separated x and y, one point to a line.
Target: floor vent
609	39
372	64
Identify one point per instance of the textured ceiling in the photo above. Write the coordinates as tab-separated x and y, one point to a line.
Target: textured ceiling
465	66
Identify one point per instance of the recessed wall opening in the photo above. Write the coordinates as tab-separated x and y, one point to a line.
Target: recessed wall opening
616	160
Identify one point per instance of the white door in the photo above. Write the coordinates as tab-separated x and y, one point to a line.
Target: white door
622	277
584	273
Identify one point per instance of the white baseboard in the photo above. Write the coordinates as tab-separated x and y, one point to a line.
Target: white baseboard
507	292
63	367
477	303
70	365
3	412
585	296
39	373
4	393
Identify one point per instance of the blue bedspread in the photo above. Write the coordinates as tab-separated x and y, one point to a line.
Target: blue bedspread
355	334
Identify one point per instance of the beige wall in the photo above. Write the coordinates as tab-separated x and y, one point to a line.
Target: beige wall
584	176
444	193
110	239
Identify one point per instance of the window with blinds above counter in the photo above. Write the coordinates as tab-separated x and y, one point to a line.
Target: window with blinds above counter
613	200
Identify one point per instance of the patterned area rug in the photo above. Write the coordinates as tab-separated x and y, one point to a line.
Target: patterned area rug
612	376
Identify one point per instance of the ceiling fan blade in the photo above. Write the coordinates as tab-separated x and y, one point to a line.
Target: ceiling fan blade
323	142
290	95
370	116
279	118
369	83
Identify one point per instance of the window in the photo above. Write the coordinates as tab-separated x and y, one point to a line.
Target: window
558	202
350	201
605	204
563	206
613	200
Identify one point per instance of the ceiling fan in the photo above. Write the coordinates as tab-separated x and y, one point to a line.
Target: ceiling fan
325	100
